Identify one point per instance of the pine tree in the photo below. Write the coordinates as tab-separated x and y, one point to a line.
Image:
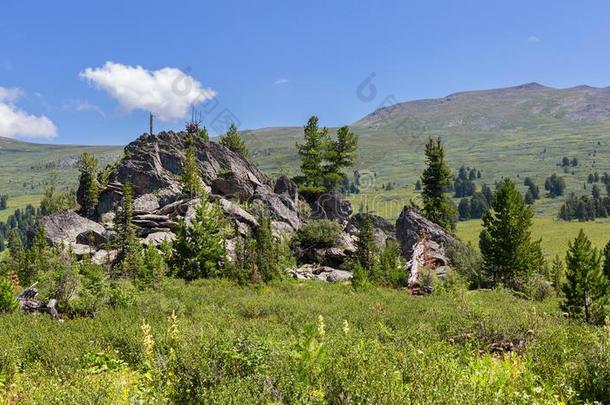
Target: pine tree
586	287
607	260
339	154
557	273
199	249
436	179
509	255
88	189
312	153
267	255
129	250
233	141
464	209
55	201
203	134
366	248
192	185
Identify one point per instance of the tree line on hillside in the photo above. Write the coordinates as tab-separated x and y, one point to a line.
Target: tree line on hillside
509	257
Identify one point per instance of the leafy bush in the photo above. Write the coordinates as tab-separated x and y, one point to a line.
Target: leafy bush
8	300
321	233
467	261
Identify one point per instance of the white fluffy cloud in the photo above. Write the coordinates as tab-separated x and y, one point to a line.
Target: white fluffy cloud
167	92
15	122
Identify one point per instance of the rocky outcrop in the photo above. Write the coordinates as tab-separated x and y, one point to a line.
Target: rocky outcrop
409	227
383	229
154	162
70	229
153	165
320	273
331	206
285	186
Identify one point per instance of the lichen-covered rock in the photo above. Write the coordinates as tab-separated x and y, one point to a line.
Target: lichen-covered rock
409	228
383	229
331	206
283	185
320	273
69	228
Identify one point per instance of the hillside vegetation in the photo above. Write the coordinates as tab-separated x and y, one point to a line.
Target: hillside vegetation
305	343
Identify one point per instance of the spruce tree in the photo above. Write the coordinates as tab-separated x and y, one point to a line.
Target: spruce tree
436	178
366	248
607	260
129	250
586	287
509	254
267	255
557	273
88	188
203	134
192	185
199	249
339	154
233	141
312	153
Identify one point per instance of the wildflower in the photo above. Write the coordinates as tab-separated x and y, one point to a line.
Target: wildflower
321	326
345	327
173	326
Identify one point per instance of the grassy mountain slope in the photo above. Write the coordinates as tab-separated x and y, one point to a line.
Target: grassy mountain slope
25	167
518	131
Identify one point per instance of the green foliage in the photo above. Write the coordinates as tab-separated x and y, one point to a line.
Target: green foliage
436	178
393	270
304	343
8	298
203	134
89	188
321	233
199	250
468	263
555	185
192	186
366	248
586	287
606	258
510	256
233	141
272	257
557	274
339	154
154	267
129	249
55	201
324	159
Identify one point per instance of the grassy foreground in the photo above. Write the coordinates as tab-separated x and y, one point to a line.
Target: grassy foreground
305	343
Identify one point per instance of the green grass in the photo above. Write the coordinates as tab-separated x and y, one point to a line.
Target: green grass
555	233
25	168
267	345
19	202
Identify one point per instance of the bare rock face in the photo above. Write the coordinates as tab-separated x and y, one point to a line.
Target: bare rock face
71	229
284	185
409	227
331	206
320	273
383	229
154	162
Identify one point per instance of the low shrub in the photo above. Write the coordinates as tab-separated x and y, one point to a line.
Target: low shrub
8	299
321	233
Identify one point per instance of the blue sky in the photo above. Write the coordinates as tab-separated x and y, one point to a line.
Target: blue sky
274	63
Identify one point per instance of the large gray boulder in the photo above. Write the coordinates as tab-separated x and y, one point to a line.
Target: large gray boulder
383	229
69	228
411	225
331	206
154	162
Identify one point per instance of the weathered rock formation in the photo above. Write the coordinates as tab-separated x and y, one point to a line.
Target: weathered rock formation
423	243
153	165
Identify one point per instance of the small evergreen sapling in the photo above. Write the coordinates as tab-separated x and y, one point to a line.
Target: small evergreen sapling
586	286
